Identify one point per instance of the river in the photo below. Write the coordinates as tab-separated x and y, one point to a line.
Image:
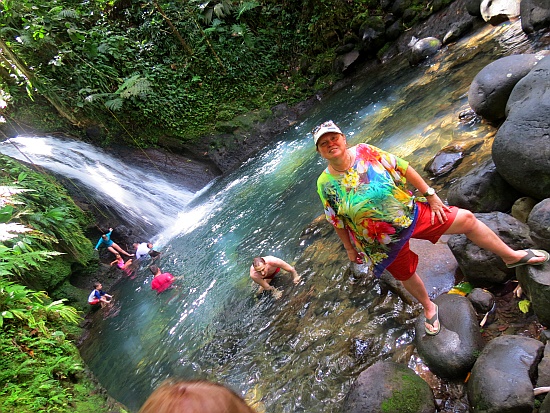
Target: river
302	352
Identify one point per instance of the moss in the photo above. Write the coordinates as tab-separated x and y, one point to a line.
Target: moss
408	399
75	296
50	274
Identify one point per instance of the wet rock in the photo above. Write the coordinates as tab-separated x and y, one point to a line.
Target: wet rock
539	224
522	208
535	282
480	267
543	368
535	15
497	11
422	49
457	30
520	145
482	300
346	61
482	190
474	7
389	387
501	380
450	156
492	86
451	353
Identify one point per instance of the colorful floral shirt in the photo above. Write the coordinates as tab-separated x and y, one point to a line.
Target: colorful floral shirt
371	201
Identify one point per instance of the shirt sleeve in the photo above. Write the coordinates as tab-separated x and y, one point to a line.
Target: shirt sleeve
330	213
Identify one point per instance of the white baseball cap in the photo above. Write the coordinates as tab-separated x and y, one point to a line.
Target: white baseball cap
325	127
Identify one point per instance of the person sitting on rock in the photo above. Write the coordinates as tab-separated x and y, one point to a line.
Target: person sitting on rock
107	242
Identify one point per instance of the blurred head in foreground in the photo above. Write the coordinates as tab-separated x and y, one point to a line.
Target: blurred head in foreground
194	396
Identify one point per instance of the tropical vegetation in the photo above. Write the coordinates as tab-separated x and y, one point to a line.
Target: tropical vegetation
144	69
41	369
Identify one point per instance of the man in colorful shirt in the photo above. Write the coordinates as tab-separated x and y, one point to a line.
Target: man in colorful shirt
365	198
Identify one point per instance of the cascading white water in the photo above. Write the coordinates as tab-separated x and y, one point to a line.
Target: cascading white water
145	196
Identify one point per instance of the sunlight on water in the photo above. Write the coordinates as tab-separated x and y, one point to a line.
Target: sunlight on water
302	352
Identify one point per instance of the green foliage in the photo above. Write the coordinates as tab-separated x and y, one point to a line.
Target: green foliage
524	306
177	68
44	372
45	207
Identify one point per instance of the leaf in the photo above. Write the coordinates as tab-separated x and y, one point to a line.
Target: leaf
524	306
6	213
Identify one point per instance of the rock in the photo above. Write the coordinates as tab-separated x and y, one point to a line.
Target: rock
492	86
482	190
522	208
457	30
482	300
497	11
389	387
480	267
535	15
535	282
345	61
501	380
394	30
423	49
474	7
451	353
520	145
543	369
539	223
545	406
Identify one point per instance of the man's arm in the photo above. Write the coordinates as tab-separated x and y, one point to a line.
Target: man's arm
353	255
436	204
277	262
259	280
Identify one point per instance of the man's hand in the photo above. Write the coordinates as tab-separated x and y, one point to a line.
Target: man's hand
354	256
276	293
296	278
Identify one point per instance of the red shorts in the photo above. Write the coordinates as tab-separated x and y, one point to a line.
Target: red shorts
404	265
93	302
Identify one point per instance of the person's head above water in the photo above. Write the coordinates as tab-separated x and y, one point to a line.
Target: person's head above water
325	127
194	396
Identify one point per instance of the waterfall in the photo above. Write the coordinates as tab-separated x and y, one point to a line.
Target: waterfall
146	197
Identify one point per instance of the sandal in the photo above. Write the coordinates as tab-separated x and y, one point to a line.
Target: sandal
431	321
530	254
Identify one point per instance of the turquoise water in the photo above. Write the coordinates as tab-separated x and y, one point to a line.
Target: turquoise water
300	353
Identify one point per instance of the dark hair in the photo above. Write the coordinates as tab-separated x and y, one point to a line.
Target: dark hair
154	269
257	261
97	284
194	396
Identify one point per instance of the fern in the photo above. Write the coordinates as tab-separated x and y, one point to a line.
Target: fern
68	14
246	6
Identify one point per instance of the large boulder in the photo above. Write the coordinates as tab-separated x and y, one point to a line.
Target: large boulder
482	190
483	268
389	387
539	224
451	353
535	282
535	15
491	87
497	11
502	377
521	148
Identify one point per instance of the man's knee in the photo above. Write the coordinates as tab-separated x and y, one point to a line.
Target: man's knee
468	220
